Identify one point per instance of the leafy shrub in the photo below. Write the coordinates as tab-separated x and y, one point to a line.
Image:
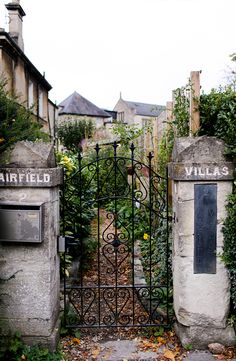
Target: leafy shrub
72	134
154	251
76	217
181	111
16	122
229	250
12	348
218	116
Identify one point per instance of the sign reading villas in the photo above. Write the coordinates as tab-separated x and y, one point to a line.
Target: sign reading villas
201	171
31	177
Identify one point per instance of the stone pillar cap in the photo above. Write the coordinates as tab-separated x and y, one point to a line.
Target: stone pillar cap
27	154
198	149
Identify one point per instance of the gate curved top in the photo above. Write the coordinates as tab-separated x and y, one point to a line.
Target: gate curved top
119	177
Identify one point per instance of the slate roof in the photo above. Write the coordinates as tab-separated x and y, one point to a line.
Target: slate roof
112	113
152	110
75	104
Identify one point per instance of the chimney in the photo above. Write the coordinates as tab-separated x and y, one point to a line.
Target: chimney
16	13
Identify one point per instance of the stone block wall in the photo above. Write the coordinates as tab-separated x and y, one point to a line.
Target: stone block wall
201	299
30	295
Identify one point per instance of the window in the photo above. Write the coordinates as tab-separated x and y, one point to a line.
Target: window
121	117
30	94
40	104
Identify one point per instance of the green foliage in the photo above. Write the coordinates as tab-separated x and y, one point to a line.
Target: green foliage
165	148
181	111
16	122
159	332
72	318
107	174
76	215
218	116
127	134
229	250
12	348
232	72
155	248
65	264
71	135
188	346
124	219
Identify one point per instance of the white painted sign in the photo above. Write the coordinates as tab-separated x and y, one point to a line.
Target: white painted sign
24	177
201	171
207	171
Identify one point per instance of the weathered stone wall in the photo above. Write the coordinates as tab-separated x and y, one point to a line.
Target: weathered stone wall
30	297
201	299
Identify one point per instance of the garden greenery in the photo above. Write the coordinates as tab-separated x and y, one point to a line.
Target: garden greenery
218	116
12	348
229	253
72	134
16	122
74	222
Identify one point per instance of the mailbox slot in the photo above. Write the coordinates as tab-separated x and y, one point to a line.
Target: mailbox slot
21	223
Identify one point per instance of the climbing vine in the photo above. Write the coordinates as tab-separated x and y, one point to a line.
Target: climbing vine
181	110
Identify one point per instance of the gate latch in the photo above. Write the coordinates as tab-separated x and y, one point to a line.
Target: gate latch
65	242
61	244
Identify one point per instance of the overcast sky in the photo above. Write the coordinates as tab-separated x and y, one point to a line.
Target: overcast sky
141	48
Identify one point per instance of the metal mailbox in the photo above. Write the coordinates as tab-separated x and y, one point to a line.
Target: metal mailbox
21	223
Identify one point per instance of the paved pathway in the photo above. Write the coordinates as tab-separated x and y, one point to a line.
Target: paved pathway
201	356
124	350
127	350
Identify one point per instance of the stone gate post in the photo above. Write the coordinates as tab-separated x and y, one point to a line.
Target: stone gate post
202	180
29	226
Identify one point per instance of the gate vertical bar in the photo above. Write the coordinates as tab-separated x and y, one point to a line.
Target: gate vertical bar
167	245
98	232
63	232
150	156
132	234
80	216
115	145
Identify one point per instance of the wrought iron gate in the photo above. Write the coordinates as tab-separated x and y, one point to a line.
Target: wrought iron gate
122	204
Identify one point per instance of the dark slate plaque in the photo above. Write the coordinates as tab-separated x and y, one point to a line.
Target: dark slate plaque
205	222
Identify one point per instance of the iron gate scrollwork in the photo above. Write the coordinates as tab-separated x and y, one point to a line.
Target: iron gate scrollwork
127	281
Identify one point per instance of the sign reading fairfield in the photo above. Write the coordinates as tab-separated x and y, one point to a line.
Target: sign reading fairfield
31	177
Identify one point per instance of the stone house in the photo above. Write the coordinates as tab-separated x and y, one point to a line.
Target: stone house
22	77
75	108
143	115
